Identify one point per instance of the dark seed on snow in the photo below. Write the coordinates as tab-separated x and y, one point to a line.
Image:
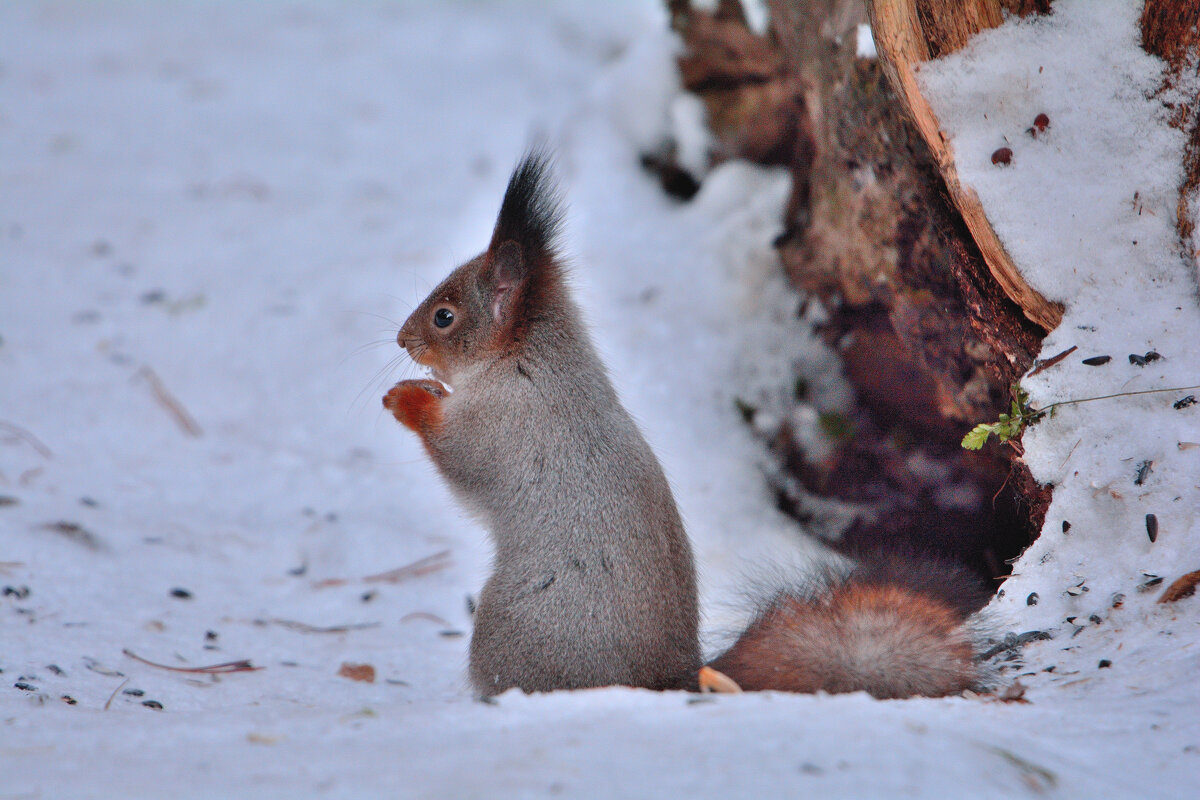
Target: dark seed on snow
1184	402
1104	663
182	594
25	687
157	706
1143	471
1032	600
1138	360
1152	527
133	692
1066	526
1150	584
1096	361
66	698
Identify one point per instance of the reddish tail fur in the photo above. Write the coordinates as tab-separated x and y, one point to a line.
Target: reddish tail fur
867	633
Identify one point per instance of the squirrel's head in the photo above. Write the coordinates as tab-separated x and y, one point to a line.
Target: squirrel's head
485	307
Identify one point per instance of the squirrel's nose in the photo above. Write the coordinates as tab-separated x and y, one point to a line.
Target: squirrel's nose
406	340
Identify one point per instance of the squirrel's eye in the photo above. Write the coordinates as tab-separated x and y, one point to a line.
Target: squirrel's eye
443	317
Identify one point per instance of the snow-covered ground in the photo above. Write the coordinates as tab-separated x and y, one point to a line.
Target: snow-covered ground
208	210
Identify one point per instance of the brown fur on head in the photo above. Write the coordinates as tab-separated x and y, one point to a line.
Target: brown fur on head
484	307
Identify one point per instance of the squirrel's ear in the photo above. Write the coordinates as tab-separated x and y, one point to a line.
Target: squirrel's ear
509	271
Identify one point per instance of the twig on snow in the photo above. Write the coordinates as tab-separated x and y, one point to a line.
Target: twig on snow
113	696
169	402
243	665
422	566
304	627
17	432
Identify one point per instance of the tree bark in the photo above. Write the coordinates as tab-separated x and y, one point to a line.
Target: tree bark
1171	31
929	337
932	320
908	33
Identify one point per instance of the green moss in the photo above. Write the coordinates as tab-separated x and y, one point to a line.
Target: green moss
836	426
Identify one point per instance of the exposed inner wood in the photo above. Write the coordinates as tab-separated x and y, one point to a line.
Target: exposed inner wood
908	33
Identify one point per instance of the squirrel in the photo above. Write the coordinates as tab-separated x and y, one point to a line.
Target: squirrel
593	580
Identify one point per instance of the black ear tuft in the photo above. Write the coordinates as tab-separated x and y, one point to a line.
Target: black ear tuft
532	211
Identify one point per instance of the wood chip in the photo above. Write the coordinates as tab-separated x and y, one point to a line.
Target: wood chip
1014	693
253	737
1181	588
358	672
1042	366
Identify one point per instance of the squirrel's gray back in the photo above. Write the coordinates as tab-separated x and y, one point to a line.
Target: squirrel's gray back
594	581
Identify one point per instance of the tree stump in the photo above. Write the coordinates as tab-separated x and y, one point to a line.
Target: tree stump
931	319
928	336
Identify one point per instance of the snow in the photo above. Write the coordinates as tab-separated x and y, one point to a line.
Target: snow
864	42
1087	211
236	199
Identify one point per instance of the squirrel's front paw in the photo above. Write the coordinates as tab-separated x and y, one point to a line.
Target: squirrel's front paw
416	404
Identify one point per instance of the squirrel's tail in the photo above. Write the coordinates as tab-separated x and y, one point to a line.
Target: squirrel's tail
893	627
